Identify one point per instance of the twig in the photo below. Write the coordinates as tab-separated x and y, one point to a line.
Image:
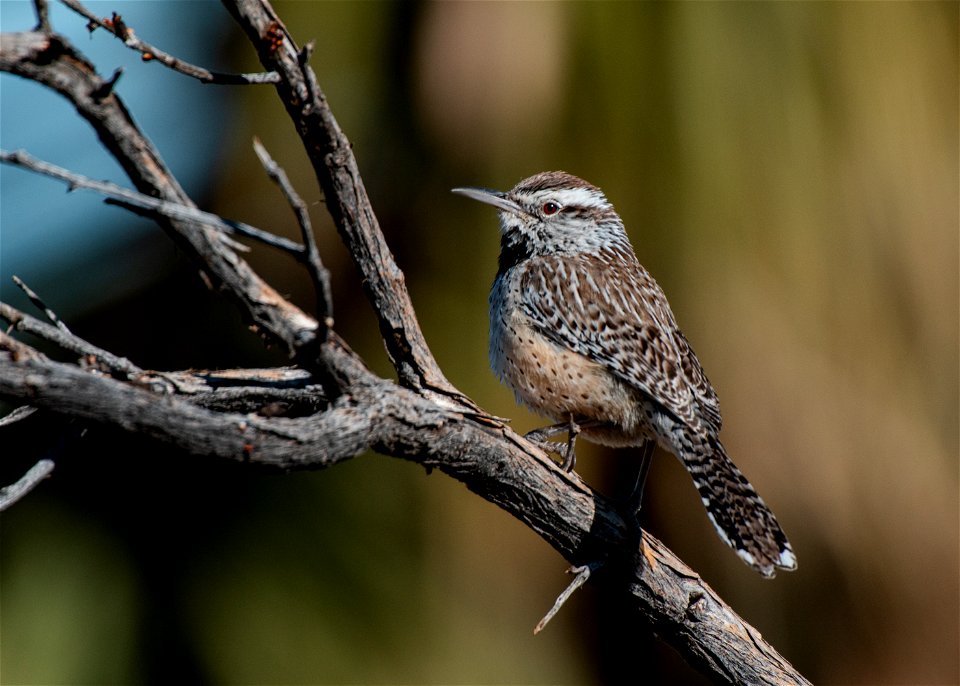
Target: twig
35	299
310	80
43	15
106	86
66	340
116	26
126	197
185	212
319	274
18	349
18	414
582	574
37	473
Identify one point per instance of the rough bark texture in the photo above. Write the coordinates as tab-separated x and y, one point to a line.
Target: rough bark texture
329	406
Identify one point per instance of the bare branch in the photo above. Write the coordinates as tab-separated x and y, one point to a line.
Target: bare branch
66	340
14	492
50	60
313	442
582	575
116	26
43	15
288	392
18	414
347	201
39	304
319	274
19	351
126	198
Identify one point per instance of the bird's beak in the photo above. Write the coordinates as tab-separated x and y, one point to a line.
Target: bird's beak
496	198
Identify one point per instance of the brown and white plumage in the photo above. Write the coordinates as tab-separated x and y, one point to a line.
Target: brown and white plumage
581	331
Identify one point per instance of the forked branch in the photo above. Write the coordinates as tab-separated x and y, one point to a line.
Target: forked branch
116	26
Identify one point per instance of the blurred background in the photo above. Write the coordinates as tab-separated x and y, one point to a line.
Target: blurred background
787	171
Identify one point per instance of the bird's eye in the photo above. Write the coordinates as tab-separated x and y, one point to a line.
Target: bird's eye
550	208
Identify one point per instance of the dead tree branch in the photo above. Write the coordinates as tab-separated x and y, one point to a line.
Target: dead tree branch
116	26
14	492
109	362
132	200
319	274
38	303
330	406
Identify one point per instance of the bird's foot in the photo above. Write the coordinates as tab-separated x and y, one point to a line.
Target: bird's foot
541	438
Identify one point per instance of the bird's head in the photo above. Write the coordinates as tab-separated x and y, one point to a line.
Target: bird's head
552	213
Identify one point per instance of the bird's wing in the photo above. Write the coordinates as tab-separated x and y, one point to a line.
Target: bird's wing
706	397
610	309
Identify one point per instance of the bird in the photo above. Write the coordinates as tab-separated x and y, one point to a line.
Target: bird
584	336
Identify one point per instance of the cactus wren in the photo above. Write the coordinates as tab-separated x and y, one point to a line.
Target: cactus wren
583	335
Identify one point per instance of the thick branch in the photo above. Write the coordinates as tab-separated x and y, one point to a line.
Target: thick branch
580	524
312	442
337	172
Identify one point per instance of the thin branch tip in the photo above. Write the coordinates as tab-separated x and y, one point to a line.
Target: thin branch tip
149	53
64	338
39	304
17	414
146	204
310	254
583	573
15	491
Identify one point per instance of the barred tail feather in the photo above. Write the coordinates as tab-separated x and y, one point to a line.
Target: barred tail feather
741	518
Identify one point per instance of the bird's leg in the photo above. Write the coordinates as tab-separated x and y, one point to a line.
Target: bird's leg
635	501
569	455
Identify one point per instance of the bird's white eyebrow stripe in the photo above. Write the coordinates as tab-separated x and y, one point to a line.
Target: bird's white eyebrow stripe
577	197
